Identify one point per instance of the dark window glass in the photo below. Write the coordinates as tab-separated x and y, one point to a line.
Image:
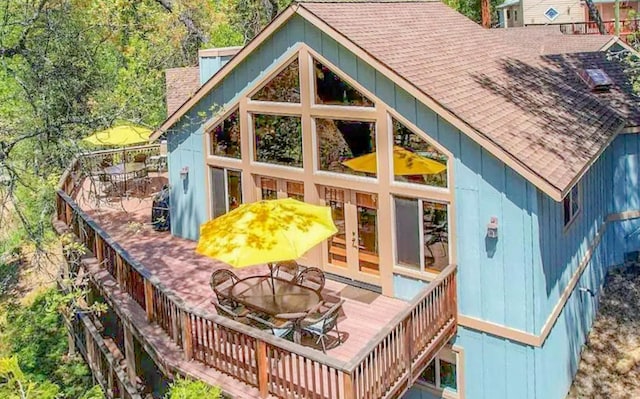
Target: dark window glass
407	233
278	140
218	193
284	87
415	160
429	374
436	236
234	189
225	137
341	142
332	90
268	188
448	375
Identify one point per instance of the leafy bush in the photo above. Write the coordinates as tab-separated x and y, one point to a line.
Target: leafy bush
183	388
36	336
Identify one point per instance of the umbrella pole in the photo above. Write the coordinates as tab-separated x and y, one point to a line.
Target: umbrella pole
273	286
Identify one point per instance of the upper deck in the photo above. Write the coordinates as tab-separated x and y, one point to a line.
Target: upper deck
159	284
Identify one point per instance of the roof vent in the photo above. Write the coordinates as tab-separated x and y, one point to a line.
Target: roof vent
596	79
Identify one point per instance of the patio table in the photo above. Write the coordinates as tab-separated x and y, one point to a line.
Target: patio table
256	293
125	171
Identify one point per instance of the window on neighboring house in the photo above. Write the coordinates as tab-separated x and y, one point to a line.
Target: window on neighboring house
508	14
225	137
515	15
571	205
441	373
422	234
226	190
284	87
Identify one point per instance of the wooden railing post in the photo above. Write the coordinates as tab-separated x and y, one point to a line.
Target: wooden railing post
408	345
263	370
175	313
148	299
99	248
347	383
130	355
120	273
187	339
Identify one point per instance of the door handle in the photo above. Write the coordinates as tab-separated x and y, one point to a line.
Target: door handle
353	240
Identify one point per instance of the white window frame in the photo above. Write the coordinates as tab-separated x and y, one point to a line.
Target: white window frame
449	355
574	195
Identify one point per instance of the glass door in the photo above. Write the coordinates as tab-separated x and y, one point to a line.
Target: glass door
353	250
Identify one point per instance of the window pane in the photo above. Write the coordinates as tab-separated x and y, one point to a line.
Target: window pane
347	147
268	188
332	90
429	374
407	233
278	139
225	137
295	190
436	236
218	195
415	160
234	182
566	208
334	198
448	375
575	204
368	259
285	87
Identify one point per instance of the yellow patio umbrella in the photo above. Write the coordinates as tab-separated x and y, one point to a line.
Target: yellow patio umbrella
265	232
122	135
405	163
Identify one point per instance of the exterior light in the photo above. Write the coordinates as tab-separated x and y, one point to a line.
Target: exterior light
492	228
184	172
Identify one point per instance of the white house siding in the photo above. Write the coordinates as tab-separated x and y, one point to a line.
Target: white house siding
570	11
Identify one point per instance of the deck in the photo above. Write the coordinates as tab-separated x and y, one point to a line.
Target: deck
158	286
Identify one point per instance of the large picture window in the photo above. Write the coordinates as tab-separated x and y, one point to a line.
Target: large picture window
225	137
415	160
347	147
278	139
422	234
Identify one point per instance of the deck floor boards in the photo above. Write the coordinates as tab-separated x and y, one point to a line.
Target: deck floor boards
175	263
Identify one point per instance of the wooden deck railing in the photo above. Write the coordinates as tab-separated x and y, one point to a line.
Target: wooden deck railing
387	366
107	370
591	28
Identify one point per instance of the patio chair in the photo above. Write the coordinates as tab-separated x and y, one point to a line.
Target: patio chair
141	158
221	282
321	323
279	327
287	270
311	277
235	312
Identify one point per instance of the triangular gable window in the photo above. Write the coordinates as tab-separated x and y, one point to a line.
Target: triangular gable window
284	87
415	160
333	90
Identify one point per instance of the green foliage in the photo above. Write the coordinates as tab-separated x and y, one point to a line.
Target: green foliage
36	336
93	393
472	8
188	389
14	384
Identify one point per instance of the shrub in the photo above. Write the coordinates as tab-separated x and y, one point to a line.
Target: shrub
183	388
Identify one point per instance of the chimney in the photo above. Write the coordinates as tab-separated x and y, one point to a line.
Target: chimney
211	60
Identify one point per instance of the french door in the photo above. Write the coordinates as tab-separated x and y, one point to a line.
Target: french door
353	251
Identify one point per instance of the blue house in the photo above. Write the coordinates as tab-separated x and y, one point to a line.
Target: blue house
519	168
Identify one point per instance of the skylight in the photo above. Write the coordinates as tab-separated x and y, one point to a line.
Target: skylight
551	13
596	79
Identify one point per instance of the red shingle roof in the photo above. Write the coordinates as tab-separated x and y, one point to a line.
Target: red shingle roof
521	101
548	39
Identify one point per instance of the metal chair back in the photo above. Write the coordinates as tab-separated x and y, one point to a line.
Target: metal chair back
311	277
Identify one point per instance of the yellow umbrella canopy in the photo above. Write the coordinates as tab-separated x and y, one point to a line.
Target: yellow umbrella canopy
405	163
122	135
265	232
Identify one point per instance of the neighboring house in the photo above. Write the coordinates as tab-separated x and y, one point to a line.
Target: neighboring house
572	15
540	196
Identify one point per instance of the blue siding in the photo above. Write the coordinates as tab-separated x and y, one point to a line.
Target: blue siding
210	65
515	280
406	288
